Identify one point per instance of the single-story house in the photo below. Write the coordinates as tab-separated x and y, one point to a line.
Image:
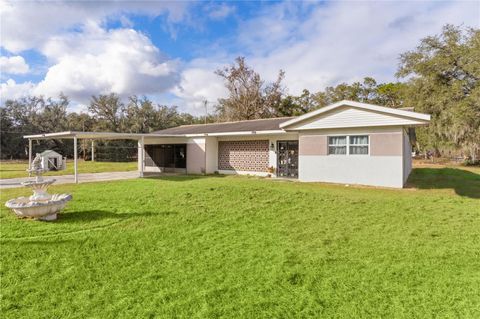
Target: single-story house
346	142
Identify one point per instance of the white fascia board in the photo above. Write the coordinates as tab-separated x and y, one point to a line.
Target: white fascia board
355	127
365	106
246	133
194	135
65	134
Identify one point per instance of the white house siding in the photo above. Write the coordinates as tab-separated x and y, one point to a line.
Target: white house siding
211	149
407	157
348	116
382	167
196	158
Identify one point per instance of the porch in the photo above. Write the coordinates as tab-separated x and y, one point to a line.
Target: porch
254	154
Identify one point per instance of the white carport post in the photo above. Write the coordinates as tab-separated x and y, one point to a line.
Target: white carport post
93	150
141	153
75	155
29	155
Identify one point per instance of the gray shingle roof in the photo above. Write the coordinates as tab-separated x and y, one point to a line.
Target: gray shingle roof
240	126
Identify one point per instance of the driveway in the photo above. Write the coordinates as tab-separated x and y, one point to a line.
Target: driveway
67	179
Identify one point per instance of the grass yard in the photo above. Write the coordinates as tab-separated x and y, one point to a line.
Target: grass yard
13	169
239	247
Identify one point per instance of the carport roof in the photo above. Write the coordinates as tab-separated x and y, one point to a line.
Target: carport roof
94	135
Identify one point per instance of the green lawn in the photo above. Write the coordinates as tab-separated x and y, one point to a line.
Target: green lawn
10	169
239	247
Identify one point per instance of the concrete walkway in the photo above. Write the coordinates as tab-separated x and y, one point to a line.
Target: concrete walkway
68	179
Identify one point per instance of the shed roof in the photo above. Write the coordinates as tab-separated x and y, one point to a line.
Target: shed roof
50	153
272	124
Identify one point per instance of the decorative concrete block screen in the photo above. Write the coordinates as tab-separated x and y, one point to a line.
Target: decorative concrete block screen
249	156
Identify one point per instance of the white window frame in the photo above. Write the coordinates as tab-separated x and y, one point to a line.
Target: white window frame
367	145
337	145
348	145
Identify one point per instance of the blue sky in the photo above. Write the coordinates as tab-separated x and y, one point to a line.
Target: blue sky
169	51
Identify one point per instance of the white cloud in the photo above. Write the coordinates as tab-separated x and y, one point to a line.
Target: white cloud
326	44
346	41
83	58
97	61
199	83
27	24
317	44
13	65
220	11
12	90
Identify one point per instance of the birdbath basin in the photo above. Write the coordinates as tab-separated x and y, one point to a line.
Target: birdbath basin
25	207
40	205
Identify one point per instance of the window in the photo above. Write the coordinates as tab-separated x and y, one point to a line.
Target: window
359	145
166	155
337	145
348	145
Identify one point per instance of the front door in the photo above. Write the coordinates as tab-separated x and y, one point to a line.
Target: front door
287	159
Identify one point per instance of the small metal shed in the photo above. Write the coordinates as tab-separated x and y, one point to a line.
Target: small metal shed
52	161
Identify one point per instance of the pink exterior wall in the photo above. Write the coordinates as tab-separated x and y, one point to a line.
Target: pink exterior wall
196	158
386	144
313	145
381	144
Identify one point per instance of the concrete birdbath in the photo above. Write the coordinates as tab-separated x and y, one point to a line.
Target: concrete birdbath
40	205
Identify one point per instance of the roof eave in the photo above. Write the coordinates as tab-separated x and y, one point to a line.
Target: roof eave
243	133
355	127
371	107
112	135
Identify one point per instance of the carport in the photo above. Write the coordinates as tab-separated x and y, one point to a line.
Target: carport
93	136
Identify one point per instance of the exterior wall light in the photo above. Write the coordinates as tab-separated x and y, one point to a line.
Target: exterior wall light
272	146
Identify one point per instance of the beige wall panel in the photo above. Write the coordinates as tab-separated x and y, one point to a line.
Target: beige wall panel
196	158
313	145
386	144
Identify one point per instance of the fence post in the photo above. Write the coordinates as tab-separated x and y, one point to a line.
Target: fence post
75	155
29	156
141	155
